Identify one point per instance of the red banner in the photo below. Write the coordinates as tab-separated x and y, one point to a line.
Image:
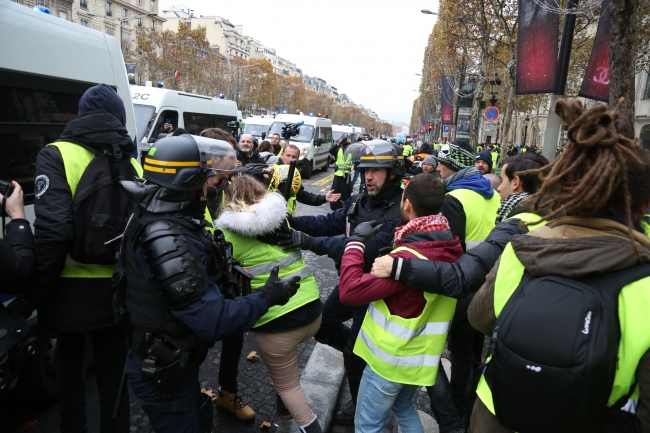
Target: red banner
595	85
537	49
447	103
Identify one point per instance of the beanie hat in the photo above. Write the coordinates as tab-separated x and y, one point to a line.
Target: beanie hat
431	160
486	156
456	155
103	97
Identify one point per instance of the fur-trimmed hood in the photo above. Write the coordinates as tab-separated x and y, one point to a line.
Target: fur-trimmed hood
263	217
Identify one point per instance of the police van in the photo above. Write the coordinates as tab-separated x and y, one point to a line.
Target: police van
339	131
46	64
314	140
154	107
258	127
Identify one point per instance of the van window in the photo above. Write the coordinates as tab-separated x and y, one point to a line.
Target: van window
197	122
167	116
305	135
143	115
33	113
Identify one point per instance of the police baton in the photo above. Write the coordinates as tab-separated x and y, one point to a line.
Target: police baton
120	394
287	187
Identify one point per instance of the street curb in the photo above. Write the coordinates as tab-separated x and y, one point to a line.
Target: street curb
321	381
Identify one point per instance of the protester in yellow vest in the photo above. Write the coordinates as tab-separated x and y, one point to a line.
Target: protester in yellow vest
595	238
404	331
250	211
298	192
75	299
341	183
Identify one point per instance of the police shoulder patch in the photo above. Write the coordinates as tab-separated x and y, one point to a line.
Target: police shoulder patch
41	184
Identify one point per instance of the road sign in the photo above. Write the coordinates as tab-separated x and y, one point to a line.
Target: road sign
491	113
490	128
445	131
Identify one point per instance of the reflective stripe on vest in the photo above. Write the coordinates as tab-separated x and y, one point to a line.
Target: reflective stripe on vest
260	258
531	219
404	350
634	303
343	164
75	160
480	214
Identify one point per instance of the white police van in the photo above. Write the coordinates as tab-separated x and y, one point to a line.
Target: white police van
46	64
154	107
314	140
258	127
339	131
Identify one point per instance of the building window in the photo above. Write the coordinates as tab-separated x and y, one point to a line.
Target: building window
83	4
109	9
153	5
153	25
646	91
125	13
139	2
139	21
109	30
83	23
63	15
188	24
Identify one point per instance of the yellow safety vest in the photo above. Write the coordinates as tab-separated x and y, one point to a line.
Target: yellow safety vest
75	160
259	259
403	350
480	214
531	219
645	224
634	304
343	164
495	158
280	172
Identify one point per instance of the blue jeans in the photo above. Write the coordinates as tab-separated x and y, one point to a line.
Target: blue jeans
377	396
357	174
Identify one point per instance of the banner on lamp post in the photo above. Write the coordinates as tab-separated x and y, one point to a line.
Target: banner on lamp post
464	120
537	49
447	103
595	85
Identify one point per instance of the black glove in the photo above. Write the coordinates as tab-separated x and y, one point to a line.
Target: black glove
22	306
280	291
365	231
278	234
295	239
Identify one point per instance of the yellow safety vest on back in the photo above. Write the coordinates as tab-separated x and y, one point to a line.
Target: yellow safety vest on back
75	160
343	164
480	214
403	350
634	304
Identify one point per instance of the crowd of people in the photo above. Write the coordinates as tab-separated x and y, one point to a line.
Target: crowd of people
531	279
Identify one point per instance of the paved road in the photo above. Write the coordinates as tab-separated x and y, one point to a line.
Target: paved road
254	381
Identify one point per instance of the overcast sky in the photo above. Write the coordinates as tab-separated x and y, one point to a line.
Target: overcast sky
368	49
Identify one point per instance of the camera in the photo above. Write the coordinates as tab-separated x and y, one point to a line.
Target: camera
6	189
291	129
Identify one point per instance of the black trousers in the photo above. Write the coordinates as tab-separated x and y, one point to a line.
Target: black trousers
109	350
231	348
335	333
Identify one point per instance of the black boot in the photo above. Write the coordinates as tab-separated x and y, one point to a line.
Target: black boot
346	414
281	409
312	427
206	413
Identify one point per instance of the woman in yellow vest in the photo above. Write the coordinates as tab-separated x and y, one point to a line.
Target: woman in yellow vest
600	183
249	210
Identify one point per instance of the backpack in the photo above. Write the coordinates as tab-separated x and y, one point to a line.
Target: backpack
101	209
554	372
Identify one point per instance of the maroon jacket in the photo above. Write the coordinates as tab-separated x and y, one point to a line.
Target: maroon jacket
357	288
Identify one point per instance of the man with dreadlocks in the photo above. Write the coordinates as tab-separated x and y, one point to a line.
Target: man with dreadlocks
567	304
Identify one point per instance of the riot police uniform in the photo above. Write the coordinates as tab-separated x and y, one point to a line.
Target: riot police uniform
320	234
170	279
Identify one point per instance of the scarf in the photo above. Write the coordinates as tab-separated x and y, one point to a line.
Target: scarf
511	202
423	224
465	172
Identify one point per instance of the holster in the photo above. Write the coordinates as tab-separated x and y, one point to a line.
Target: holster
163	367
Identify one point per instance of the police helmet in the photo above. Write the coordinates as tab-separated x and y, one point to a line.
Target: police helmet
382	154
176	163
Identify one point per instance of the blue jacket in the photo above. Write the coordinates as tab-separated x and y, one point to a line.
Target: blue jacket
212	317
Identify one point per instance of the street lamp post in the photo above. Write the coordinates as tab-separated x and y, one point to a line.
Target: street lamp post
494	89
526	121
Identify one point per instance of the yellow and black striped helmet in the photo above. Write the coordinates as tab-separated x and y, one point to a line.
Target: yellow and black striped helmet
175	163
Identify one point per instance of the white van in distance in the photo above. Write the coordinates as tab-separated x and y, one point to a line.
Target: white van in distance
154	107
258	127
314	140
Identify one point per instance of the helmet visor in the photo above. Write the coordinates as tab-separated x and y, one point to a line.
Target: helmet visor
216	155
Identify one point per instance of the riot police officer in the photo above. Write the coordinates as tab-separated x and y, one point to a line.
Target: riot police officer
384	168
170	279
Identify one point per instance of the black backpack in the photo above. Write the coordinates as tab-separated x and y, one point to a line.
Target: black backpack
101	208
555	353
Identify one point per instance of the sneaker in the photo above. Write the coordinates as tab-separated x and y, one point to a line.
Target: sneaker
281	409
230	404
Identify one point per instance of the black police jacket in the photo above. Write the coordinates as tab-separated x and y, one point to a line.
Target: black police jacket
16	257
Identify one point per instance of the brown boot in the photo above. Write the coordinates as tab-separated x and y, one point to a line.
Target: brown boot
232	405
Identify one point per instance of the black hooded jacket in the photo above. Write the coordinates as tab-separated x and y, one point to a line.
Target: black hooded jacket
70	304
